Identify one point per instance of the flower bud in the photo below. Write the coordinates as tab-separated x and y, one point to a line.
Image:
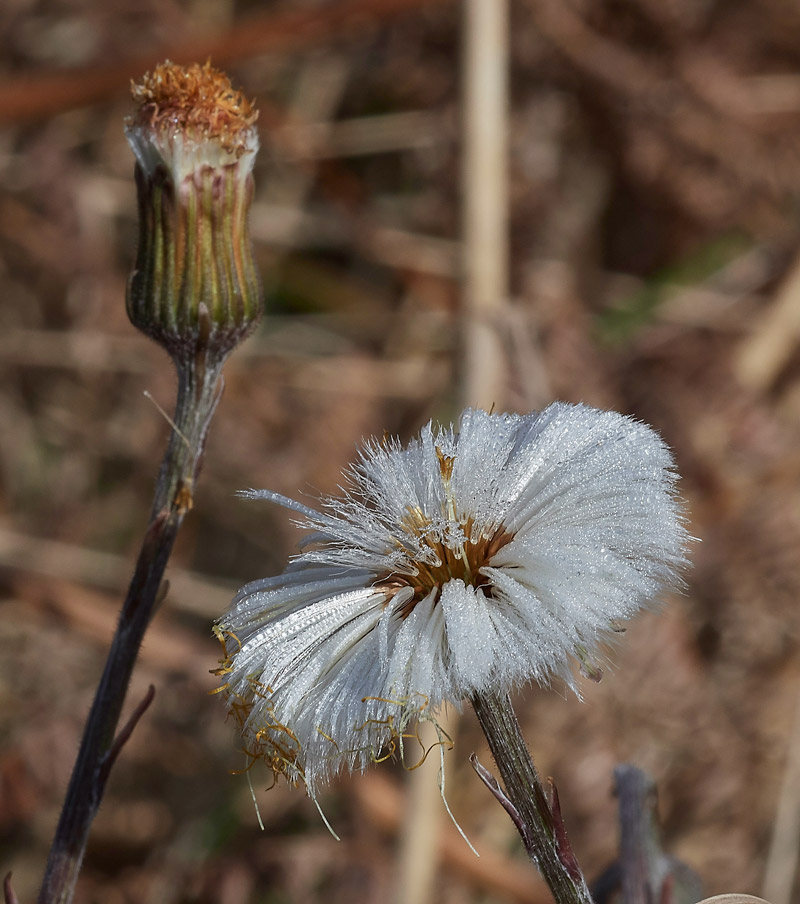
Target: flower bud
195	287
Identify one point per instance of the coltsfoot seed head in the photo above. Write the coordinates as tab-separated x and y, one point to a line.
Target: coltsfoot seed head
472	560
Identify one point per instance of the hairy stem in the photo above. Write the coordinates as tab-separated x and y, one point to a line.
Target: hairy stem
199	389
538	822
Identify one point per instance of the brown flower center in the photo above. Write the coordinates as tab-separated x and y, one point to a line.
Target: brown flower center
198	100
463	562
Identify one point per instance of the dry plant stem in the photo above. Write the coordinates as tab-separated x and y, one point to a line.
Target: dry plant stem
781	867
8	892
420	839
485	191
199	389
539	825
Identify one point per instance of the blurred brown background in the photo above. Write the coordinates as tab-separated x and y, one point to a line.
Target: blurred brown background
654	189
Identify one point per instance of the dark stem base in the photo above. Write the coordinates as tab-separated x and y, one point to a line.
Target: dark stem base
199	389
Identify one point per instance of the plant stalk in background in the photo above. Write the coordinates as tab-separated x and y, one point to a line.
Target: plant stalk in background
195	291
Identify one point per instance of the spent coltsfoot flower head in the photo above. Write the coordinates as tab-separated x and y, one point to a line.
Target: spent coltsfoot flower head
195	285
472	560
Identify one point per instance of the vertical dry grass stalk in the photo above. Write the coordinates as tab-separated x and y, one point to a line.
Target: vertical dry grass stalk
482	376
781	868
485	199
421	835
485	286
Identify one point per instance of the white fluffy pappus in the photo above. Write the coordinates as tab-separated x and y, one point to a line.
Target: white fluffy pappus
473	560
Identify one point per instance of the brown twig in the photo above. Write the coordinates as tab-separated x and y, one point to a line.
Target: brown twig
36	96
768	350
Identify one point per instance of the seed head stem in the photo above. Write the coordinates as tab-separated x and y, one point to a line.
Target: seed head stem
538	822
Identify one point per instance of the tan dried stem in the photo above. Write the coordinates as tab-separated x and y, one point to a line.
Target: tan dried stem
485	193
